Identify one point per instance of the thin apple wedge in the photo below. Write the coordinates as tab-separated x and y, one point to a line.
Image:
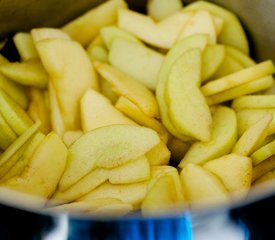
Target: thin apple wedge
97	111
43	172
40	34
161	9
132	111
232	32
137	170
201	187
238	78
159	155
138	61
263	153
7	135
127	193
107	147
15	116
162	34
110	33
84	28
25	46
28	73
238	55
262	168
200	23
192	117
195	41
85	185
244	89
254	102
223	138
70	72
234	170
128	87
253	137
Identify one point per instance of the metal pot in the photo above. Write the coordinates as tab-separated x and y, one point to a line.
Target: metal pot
244	219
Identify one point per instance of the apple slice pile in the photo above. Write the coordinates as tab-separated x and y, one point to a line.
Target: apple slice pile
96	114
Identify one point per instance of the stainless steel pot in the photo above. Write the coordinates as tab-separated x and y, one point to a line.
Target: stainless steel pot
246	219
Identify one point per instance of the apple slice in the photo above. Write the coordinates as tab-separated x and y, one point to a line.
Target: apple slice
183	87
15	91
262	168
85	185
223	137
71	73
132	111
40	34
98	53
201	187
200	23
162	34
137	170
110	33
97	111
21	164
7	135
44	170
159	155
25	46
236	79
14	115
244	89
266	178
136	60
195	41
129	88
164	192
248	117
238	55
84	28
128	193
235	171
212	58
254	102
263	153
161	9
232	33
252	138
106	147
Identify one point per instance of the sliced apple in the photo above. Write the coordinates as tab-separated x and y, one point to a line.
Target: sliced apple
14	115
201	187
128	87
107	90
223	137
7	135
98	53
212	58
14	90
195	41
44	170
238	55
161	9
262	168
236	79
159	155
252	138
234	170
84	28
266	178
263	153
162	34
97	111
110	33
254	102
136	60
71	73
183	87
128	193
232	32
248	117
133	111
40	34
244	89
107	147
25	46
86	184
200	23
